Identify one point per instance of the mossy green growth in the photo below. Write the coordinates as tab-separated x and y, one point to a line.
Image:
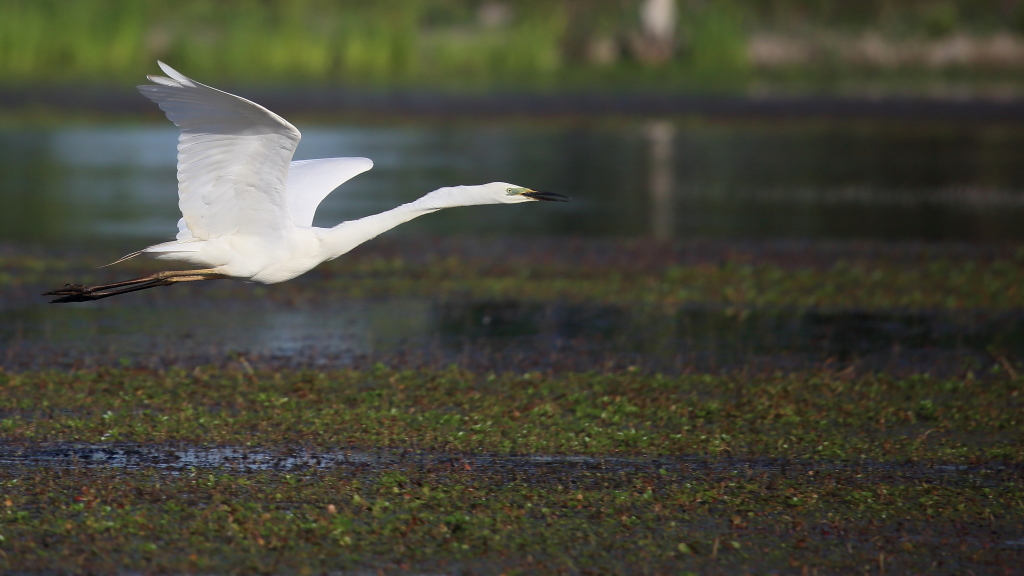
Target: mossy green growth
809	415
737	283
940	284
448	517
741	473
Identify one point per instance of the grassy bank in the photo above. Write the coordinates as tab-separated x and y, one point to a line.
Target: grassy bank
719	45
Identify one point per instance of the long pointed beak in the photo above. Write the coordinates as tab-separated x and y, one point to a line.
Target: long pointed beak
547	196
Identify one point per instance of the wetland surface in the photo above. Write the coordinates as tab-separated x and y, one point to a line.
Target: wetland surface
742	349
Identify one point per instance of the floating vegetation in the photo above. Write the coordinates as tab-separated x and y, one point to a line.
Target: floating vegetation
734	280
817	470
814	416
938	284
592	466
452	517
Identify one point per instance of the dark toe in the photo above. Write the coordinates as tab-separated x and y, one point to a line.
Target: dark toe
81	297
69	289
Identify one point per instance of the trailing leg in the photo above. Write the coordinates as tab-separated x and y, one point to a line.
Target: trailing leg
81	293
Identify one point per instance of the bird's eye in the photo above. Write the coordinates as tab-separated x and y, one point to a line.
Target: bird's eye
511	191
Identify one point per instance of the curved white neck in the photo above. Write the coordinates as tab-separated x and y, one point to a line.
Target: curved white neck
347	235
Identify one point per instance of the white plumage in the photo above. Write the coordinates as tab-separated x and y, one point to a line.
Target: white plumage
310	181
247	209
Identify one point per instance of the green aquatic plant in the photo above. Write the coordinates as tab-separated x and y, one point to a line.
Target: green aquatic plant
736	284
828	471
552	518
807	415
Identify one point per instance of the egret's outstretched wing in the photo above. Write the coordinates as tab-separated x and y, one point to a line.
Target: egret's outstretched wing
310	181
233	158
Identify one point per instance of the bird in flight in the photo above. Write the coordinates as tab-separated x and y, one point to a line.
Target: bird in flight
247	208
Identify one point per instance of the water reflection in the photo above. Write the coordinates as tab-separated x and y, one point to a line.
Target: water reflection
661	134
663	179
709	336
206	330
504	335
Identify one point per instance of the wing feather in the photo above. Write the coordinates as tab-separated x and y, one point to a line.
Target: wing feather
233	158
310	181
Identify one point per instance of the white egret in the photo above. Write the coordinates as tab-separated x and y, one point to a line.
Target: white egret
247	209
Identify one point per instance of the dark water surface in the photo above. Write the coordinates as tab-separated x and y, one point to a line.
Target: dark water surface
114	185
644	178
497	335
178	459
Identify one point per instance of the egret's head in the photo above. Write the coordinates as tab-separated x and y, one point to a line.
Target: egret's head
511	194
493	193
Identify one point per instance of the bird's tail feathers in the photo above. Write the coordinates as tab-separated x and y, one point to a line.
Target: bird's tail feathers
172	246
123	258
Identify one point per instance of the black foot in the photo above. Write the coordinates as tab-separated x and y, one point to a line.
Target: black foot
80	293
73	293
68	289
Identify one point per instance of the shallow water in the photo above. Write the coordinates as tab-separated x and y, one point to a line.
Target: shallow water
116	182
176	459
498	335
114	185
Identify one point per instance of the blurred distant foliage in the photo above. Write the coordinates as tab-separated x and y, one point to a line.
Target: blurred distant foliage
484	43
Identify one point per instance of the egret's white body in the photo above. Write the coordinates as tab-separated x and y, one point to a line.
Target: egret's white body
247	209
276	255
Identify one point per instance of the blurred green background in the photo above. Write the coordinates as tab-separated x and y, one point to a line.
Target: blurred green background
903	46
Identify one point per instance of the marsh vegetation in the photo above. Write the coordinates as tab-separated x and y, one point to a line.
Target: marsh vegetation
523	443
929	46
